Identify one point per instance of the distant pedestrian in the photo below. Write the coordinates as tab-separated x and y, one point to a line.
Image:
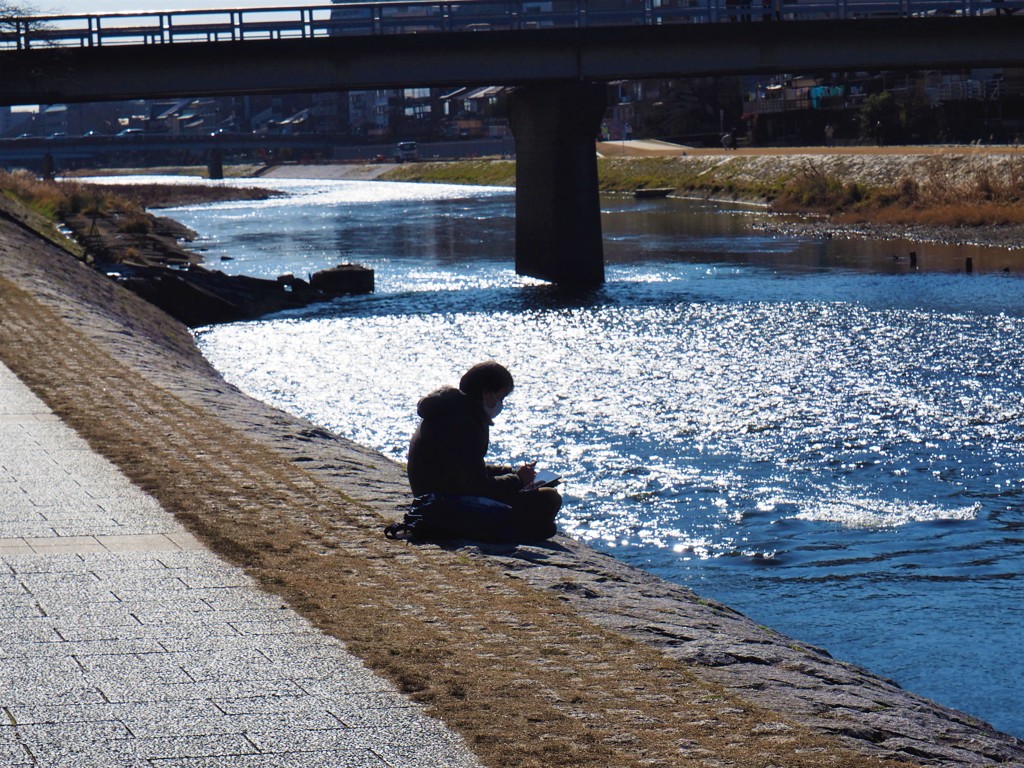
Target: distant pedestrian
830	133
879	133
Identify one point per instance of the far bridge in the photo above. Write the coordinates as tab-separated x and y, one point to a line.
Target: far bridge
557	54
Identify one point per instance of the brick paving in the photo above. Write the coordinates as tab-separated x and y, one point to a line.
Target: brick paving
123	642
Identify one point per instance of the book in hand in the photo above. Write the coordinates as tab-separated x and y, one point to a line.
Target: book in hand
544	478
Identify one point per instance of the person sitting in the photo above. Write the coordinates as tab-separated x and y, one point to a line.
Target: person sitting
447	466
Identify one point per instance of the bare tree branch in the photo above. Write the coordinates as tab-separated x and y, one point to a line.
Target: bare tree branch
13	18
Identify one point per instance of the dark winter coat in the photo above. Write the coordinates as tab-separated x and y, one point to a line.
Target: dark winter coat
446	454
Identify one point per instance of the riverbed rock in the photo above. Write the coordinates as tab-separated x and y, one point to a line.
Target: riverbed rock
145	254
198	296
343	279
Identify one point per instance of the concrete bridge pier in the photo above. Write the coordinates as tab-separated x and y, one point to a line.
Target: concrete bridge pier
558	212
215	164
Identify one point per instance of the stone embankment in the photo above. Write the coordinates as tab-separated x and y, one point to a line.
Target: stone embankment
548	655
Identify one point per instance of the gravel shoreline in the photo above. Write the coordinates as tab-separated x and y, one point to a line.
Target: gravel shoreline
646	672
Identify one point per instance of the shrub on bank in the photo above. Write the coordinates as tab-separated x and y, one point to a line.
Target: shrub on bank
56	199
702	177
947	194
812	189
134	224
165	195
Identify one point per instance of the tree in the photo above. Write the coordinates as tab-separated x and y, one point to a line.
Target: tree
920	121
10	11
13	18
879	117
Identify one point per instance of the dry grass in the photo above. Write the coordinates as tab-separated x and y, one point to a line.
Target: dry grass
494	173
110	221
525	679
945	194
167	195
56	199
930	186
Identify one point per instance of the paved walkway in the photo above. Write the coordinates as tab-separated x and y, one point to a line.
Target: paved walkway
123	642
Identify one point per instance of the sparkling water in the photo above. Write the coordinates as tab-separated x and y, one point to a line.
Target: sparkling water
807	430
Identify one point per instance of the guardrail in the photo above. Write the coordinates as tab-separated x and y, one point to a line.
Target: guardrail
423	16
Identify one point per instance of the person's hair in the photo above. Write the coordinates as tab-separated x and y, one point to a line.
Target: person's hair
485	377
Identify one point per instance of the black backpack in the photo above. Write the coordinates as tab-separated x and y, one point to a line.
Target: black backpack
438	516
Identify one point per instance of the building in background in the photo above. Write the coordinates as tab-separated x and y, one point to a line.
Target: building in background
979	105
475	113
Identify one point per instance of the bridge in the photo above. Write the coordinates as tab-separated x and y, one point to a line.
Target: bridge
557	53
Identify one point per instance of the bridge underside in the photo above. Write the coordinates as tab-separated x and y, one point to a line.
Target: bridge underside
556	109
65	75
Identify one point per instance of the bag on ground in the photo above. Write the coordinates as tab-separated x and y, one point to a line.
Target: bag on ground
444	516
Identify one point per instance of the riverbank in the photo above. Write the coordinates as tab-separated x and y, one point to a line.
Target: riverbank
953	195
969	195
600	664
111	228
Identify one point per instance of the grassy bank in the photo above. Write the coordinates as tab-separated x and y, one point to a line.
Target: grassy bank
111	222
231	171
55	199
956	188
490	173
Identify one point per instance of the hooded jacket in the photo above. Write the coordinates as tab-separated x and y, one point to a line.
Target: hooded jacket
446	453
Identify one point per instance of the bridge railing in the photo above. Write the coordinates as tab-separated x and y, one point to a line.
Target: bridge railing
427	16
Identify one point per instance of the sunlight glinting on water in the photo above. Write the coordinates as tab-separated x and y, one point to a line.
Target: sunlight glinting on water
354	192
809	431
709	392
301	192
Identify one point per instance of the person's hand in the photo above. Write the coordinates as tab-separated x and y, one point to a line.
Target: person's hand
527	473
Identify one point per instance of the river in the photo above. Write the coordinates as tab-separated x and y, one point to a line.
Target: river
808	430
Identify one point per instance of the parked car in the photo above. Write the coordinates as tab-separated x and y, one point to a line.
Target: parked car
406	151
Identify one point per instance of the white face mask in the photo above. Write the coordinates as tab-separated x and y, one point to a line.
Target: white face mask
492	411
